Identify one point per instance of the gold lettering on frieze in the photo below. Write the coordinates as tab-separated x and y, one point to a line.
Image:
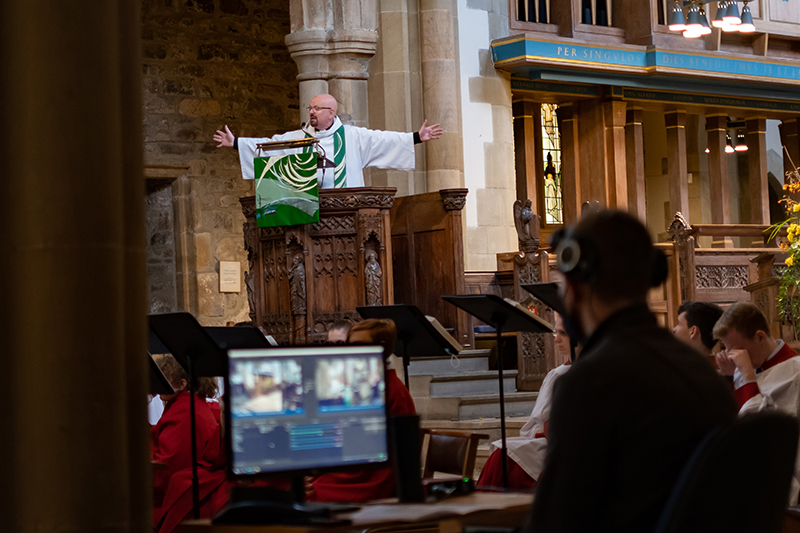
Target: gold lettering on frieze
567	51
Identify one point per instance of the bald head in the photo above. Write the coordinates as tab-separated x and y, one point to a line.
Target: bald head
322	111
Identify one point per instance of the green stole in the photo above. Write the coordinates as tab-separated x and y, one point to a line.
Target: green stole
340	167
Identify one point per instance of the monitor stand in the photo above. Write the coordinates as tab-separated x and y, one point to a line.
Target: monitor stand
259	505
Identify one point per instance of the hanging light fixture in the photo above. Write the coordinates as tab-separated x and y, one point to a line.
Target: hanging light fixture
706	29
728	145
676	20
732	14
747	25
696	23
718	21
741	145
694	28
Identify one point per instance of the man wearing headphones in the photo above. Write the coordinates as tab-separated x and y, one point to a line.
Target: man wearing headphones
629	414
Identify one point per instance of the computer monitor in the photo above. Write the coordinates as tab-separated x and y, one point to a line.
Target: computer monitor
296	411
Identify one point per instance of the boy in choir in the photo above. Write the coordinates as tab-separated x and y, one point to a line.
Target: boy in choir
337	334
171	444
765	371
526	453
695	326
632	409
379	483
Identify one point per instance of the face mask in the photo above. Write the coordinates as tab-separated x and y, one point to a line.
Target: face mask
574	330
572	324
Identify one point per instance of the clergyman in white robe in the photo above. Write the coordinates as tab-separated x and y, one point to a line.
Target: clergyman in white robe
363	148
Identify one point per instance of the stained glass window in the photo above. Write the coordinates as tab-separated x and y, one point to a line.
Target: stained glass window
551	151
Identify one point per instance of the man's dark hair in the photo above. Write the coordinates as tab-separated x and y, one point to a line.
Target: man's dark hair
704	315
623	264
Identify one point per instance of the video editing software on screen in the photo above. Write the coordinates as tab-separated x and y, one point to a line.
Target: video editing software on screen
306	408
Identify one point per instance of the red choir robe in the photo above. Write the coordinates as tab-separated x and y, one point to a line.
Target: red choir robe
367	484
777	386
525	453
171	444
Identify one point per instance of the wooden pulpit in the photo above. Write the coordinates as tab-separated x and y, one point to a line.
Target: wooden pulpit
301	279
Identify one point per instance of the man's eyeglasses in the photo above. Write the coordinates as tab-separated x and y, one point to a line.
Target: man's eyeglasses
316	108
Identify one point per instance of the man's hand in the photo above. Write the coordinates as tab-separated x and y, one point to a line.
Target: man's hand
725	364
224	138
426	133
741	359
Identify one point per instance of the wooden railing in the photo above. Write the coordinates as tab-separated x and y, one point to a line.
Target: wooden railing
720	274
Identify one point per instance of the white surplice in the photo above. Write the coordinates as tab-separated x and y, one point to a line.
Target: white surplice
363	148
527	450
778	388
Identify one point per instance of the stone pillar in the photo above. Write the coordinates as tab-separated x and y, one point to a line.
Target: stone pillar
616	166
757	161
634	152
719	183
441	96
527	155
75	444
676	157
332	42
570	163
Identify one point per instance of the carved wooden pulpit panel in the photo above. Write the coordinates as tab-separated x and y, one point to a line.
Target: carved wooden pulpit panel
301	279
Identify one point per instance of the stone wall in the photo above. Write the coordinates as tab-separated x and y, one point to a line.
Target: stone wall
488	132
207	63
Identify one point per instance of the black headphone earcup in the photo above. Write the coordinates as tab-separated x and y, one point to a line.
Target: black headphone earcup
660	268
575	259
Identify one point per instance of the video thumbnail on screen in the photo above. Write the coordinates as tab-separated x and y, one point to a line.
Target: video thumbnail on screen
265	386
344	383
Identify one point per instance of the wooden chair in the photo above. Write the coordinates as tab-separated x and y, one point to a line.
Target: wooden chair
450	452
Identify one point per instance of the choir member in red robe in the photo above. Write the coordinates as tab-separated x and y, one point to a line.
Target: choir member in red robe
368	484
171	444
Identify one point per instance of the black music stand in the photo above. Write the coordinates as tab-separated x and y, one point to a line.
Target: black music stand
414	331
238	337
502	316
547	293
197	352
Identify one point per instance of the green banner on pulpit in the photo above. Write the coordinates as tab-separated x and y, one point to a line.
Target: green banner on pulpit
287	192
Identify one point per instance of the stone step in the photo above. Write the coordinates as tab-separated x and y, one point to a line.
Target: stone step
466	361
517	404
462	384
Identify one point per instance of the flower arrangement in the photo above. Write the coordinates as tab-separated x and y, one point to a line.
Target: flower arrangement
788	298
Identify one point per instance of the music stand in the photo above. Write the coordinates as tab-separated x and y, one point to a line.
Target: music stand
502	316
547	293
238	337
196	352
414	331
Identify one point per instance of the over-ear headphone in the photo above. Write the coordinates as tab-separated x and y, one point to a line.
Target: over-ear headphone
575	256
